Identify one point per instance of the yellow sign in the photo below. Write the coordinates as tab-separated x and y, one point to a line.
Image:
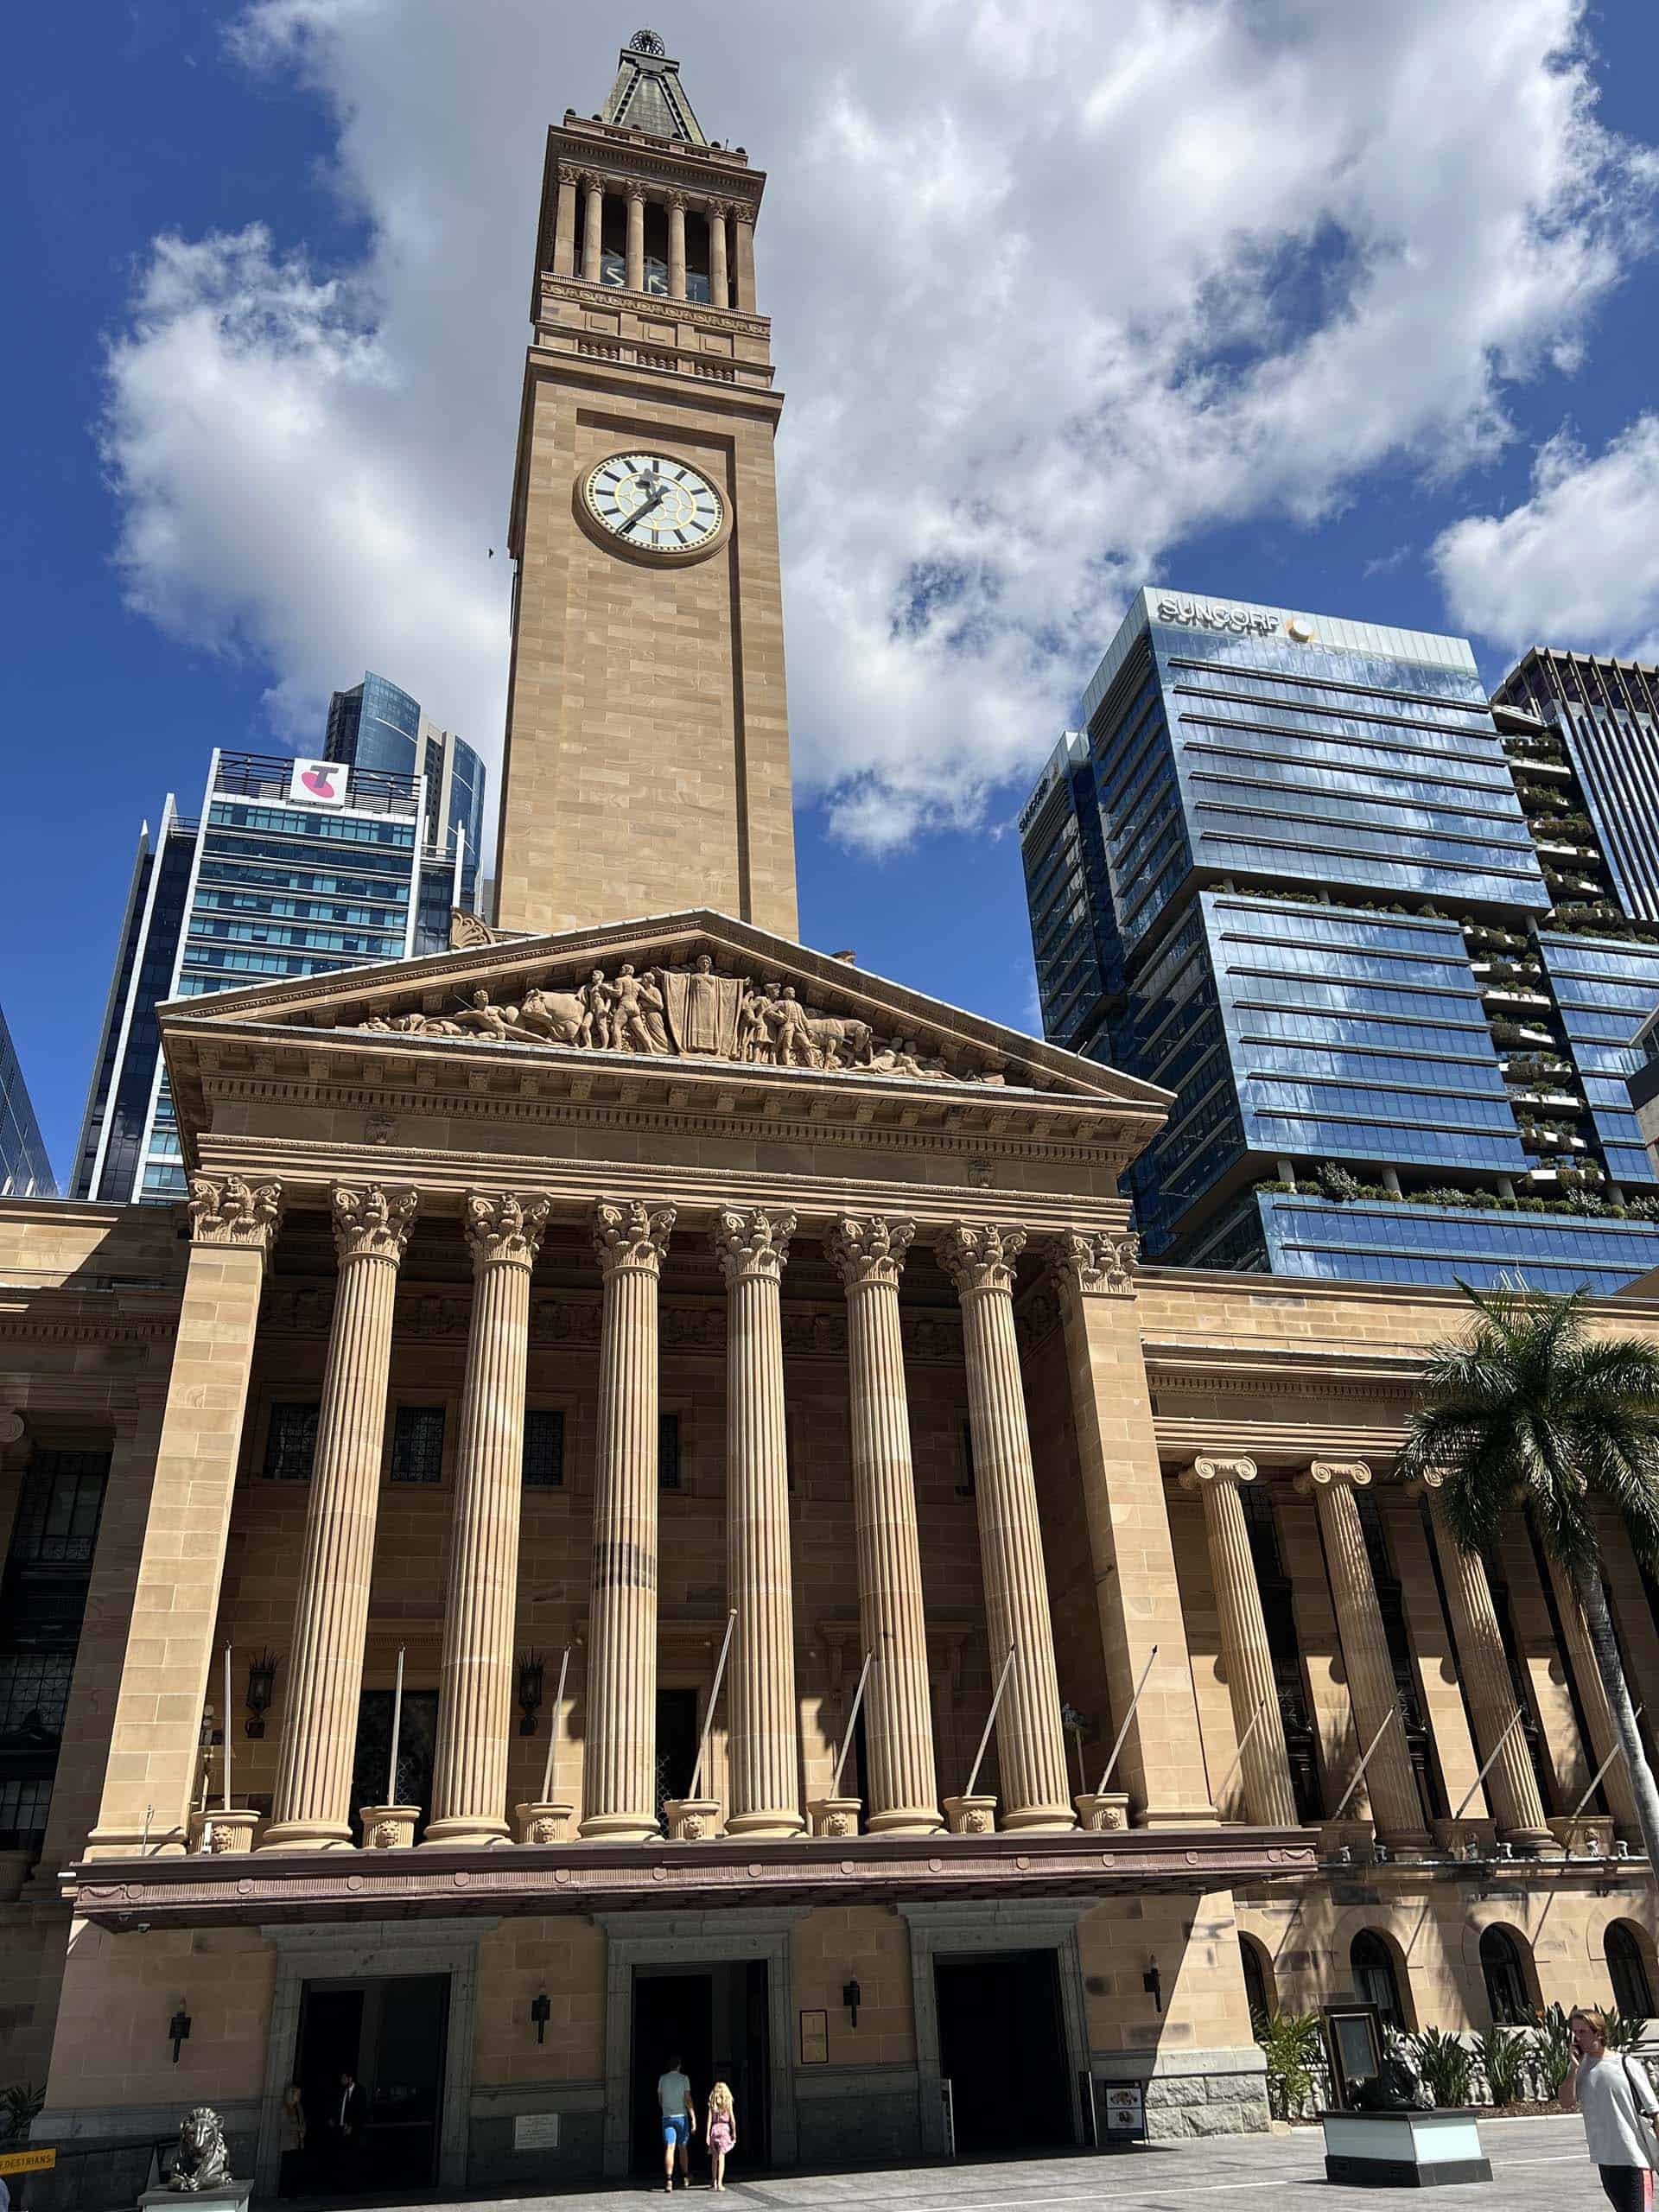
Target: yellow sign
27	2162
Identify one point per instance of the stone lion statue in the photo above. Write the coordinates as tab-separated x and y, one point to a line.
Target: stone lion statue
202	2161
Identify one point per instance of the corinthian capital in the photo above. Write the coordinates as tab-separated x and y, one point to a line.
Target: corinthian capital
372	1224
234	1212
1218	1474
868	1250
674	201
1334	1475
628	1235
502	1228
751	1244
569	175
980	1257
1097	1262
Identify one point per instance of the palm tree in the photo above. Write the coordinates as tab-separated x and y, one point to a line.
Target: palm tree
1529	1410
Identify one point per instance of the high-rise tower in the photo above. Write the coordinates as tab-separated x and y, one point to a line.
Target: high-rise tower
647	751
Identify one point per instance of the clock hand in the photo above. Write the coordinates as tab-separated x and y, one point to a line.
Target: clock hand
640	514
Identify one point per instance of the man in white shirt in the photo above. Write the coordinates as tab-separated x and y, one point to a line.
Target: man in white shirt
679	2120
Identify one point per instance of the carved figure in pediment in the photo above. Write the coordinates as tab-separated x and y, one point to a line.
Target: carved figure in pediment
792	1034
754	1025
840	1041
704	1009
595	996
556	1017
636	1023
489	1020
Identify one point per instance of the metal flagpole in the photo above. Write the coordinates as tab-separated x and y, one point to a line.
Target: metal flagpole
1393	1715
225	1777
1514	1718
1002	1684
714	1696
553	1730
1118	1745
1617	1752
397	1731
1238	1756
852	1721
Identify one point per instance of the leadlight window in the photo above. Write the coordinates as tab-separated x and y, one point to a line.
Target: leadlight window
34	1697
543	1463
24	1802
668	1452
58	1513
291	1441
418	1445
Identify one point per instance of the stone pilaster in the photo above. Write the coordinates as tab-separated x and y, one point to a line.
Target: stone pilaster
718	283
164	1673
752	1247
1030	1737
593	234
675	202
311	1804
1603	1737
1269	1801
565	224
1511	1783
870	1255
635	271
1389	1783
619	1758
475	1694
744	227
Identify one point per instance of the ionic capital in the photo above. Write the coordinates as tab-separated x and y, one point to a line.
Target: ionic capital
630	1235
870	1250
1217	1474
752	1245
1097	1262
980	1257
234	1212
504	1229
1334	1475
372	1224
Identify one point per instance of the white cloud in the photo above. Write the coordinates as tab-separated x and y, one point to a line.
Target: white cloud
1054	286
1578	562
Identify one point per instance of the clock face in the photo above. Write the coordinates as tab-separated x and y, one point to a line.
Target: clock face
648	500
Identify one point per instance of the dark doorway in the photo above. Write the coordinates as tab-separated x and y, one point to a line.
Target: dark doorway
1002	2050
716	2018
417	1735
677	1745
389	2035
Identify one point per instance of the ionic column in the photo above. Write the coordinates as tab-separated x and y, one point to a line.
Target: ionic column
719	284
311	1805
1367	1661
745	259
593	241
1030	1737
565	225
1603	1737
676	204
1511	1783
752	1247
619	1766
868	1255
1269	1801
475	1686
636	261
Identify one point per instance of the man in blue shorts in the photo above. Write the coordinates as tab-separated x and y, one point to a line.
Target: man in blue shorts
679	2120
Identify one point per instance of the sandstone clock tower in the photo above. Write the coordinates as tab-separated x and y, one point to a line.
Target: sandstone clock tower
647	750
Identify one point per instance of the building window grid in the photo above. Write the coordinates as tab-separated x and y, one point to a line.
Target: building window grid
418	1444
544	1452
291	1439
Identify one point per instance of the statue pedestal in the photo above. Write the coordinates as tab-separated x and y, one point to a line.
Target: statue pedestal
544	1822
1403	2150
388	1827
973	1816
218	1834
1102	1813
691	1819
227	2196
834	1816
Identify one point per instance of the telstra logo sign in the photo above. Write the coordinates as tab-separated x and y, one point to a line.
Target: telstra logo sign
318	783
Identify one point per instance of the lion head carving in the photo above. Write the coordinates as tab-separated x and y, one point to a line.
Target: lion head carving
203	2161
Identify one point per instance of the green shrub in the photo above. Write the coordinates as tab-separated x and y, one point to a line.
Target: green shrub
1624	2030
1503	2061
1551	2050
1293	2043
18	2106
1446	2064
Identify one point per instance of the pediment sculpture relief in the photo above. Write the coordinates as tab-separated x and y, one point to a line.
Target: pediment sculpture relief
695	1011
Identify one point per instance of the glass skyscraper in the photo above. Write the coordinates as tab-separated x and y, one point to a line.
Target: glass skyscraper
1294	870
25	1171
375	725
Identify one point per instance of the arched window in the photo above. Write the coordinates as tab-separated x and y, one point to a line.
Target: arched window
1253	1959
1375	1980
1503	1965
1628	1969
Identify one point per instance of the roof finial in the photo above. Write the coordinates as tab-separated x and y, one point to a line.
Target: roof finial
646	42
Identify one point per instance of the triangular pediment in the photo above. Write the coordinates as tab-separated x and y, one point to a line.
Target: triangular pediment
693	987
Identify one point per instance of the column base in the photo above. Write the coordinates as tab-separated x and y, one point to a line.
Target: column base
619	1828
306	1835
543	1821
462	1832
974	1815
388	1827
1529	1843
834	1816
777	1825
1039	1819
691	1819
1101	1812
905	1820
218	1834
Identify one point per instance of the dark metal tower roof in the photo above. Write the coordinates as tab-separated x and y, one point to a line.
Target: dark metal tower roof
648	95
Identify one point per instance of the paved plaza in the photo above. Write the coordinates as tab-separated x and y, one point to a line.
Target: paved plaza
1538	2166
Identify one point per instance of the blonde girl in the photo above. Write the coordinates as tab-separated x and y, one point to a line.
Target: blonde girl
722	2130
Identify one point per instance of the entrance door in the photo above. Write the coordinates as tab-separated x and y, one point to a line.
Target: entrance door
389	2035
677	1744
716	2019
417	1736
1002	2048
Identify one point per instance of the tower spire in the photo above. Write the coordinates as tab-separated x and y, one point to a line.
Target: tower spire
648	95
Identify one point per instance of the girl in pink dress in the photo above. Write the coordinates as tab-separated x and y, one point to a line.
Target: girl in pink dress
722	2130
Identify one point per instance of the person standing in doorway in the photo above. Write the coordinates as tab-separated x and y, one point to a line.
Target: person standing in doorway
722	2131
679	2120
345	2122
1613	2092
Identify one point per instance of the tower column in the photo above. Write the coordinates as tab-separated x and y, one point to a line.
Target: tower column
565	225
619	1767
676	201
636	267
1030	1737
311	1804
718	283
469	1767
1603	1737
1269	1801
1389	1781
594	230
745	259
870	1255
752	1247
1511	1784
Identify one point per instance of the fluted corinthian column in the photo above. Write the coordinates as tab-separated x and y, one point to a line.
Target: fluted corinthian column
744	259
593	237
475	1686
676	203
311	1805
720	293
752	1247
636	249
1511	1783
1264	1768
1604	1738
565	225
868	1255
618	1768
1389	1782
1030	1736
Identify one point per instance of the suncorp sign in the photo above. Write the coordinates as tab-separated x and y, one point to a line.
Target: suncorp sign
1207	615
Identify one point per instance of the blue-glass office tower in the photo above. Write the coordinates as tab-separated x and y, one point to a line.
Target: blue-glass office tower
25	1171
1297	871
376	726
280	874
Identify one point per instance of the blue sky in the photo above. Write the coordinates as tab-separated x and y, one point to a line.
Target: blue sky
1273	301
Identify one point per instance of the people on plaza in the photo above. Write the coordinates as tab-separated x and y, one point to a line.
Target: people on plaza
1613	2092
679	2121
722	2131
